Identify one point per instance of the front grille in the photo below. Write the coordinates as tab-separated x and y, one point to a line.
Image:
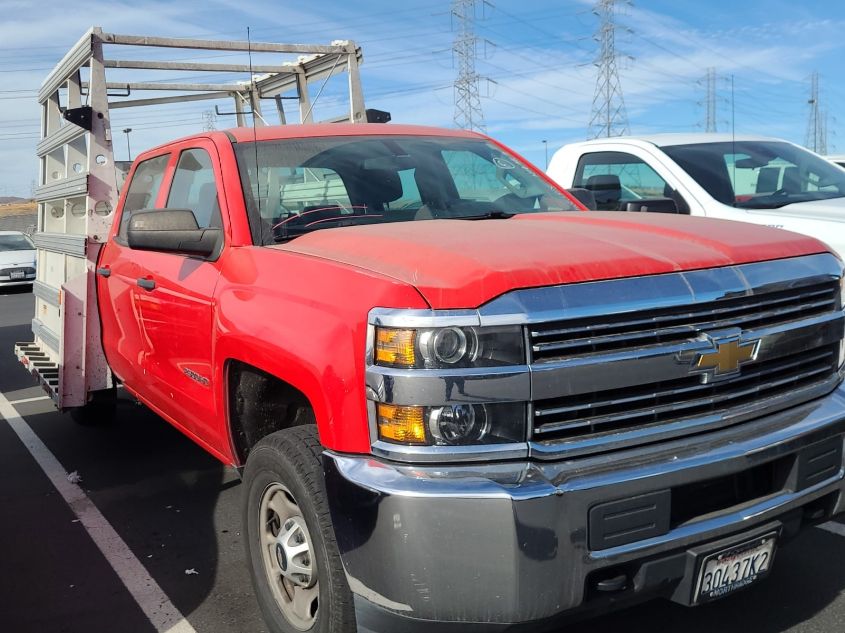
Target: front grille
7	272
564	339
656	403
615	375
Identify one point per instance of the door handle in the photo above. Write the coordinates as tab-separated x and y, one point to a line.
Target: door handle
146	284
104	272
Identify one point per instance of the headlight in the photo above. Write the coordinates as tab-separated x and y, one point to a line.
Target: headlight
452	424
448	347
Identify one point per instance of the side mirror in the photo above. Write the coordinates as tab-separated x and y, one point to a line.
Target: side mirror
171	231
584	196
653	205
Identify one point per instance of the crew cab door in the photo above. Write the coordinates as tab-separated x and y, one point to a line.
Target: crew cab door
170	364
175	297
124	340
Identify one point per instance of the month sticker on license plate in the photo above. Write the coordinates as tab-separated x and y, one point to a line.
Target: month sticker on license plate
16	274
726	571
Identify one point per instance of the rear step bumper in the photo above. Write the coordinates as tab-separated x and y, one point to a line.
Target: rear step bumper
38	362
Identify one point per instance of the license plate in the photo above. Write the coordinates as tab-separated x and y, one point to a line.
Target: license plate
16	274
724	572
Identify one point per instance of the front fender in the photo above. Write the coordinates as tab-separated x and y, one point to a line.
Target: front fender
303	319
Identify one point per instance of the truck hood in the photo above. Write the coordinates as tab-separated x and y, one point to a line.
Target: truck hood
832	210
464	264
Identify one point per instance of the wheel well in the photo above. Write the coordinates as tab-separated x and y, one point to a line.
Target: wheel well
260	404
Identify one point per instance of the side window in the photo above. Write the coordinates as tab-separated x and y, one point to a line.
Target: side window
617	177
143	190
194	188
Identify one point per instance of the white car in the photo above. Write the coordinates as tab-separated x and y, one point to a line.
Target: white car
747	178
17	259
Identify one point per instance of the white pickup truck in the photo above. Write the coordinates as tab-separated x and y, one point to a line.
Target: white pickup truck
747	178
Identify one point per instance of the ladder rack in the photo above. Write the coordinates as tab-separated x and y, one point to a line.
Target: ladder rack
79	179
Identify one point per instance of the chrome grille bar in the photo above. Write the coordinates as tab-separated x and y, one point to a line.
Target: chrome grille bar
666	325
679	400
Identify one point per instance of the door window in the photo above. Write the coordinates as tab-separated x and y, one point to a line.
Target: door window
143	190
194	188
616	178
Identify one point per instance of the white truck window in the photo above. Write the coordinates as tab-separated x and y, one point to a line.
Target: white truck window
618	177
759	174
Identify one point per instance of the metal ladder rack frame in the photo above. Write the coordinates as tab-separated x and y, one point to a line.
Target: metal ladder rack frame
78	191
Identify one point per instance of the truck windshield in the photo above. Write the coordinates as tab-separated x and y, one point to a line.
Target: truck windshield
759	174
295	186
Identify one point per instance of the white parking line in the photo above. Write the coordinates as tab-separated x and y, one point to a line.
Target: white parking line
25	400
155	604
833	527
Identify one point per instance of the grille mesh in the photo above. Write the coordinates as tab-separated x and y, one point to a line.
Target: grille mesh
588	415
562	339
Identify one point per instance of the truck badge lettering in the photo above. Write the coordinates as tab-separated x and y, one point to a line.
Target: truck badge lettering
196	377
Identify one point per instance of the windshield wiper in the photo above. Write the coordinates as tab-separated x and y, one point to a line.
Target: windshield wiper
490	215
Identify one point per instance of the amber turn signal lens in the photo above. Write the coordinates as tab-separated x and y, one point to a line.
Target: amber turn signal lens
396	347
401	424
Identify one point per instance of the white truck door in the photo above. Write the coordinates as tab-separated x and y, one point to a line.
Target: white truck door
618	177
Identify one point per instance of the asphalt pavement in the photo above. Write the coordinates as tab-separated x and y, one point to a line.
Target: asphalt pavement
176	510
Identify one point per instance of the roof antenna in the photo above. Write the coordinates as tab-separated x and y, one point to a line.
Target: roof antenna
733	139
254	132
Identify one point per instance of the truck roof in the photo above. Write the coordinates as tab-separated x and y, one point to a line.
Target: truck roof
666	140
271	132
314	130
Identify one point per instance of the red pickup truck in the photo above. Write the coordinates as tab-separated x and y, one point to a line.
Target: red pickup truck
458	402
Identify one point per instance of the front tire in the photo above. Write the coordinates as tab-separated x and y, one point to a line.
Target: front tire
291	550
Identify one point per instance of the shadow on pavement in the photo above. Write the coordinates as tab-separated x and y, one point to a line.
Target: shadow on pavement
163	495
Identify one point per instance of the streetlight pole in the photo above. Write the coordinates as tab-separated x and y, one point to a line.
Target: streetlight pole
546	146
126	131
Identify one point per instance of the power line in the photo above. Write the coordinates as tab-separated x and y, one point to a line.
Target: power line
609	117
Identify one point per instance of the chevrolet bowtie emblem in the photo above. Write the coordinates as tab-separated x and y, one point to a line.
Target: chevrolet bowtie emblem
727	358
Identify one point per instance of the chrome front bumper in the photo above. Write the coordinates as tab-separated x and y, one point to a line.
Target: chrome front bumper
495	544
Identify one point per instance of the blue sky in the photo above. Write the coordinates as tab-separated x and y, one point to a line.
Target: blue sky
539	53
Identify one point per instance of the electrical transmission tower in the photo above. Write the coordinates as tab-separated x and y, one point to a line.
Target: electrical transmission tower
209	120
823	133
468	113
608	115
816	138
710	102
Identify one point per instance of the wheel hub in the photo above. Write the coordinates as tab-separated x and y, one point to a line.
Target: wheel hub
293	552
